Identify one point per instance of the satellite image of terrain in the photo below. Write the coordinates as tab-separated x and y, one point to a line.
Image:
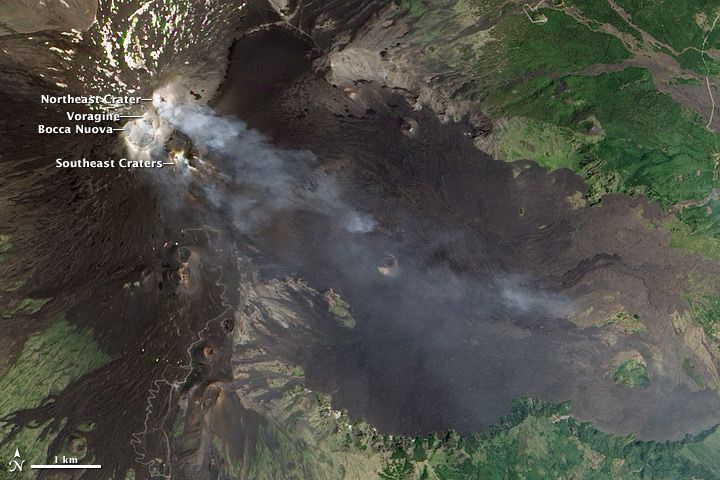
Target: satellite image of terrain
359	239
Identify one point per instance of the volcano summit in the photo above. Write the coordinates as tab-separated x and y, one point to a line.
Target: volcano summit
451	239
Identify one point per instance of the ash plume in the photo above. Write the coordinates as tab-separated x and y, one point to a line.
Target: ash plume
248	180
234	168
436	343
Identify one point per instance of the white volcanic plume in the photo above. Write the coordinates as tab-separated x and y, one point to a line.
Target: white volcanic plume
249	178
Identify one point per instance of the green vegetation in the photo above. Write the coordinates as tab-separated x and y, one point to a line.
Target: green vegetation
685	81
550	146
674	23
705	310
665	152
627	322
515	49
692	372
601	13
30	442
415	7
702	64
536	441
703	219
704	452
684	237
539	74
545	47
28	306
9	286
615	129
698	229
339	308
306	439
6	284
632	373
302	436
49	362
5	244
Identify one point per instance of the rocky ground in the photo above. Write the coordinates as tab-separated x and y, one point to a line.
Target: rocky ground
396	272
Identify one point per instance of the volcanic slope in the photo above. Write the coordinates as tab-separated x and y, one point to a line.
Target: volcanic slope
194	346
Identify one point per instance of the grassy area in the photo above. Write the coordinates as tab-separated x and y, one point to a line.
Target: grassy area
685	81
678	24
545	47
702	64
303	437
49	362
614	129
32	445
600	13
550	146
498	60
414	7
705	452
307	440
9	286
632	373
664	152
697	229
339	308
629	323
539	442
705	311
5	244
28	306
297	371
704	219
699	241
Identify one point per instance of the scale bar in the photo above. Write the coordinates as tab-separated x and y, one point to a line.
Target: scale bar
131	116
64	466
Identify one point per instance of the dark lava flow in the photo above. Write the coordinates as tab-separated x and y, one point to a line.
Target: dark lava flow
474	319
490	259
